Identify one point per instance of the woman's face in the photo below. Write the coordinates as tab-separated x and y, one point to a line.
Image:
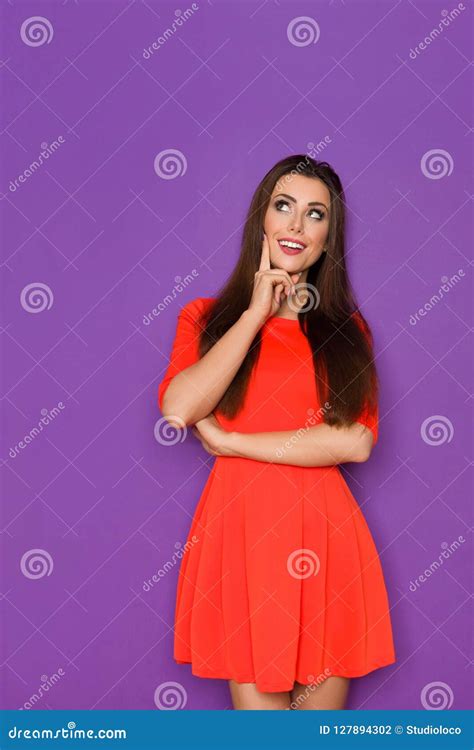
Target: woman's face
297	213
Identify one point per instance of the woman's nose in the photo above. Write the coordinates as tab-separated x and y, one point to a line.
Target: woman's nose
295	224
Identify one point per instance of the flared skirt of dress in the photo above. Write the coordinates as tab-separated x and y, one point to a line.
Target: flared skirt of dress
281	580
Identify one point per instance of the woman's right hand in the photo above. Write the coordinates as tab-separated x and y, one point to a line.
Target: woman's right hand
271	285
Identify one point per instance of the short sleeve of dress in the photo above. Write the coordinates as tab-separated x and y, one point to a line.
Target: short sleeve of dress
185	351
367	417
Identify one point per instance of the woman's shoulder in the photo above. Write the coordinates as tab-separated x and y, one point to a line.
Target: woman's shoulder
196	307
199	304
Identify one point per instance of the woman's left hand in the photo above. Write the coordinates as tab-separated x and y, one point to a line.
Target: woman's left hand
213	437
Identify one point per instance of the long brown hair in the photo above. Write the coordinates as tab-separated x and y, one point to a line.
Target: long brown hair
342	348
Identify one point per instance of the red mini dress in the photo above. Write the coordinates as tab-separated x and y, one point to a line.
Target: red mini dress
283	581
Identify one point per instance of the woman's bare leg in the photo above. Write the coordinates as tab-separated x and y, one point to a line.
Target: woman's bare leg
328	695
245	696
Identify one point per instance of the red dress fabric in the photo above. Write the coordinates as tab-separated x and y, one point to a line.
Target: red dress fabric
284	582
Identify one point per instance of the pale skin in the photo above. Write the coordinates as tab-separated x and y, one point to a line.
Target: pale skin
299	210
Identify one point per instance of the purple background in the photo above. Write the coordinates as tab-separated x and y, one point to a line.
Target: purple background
113	240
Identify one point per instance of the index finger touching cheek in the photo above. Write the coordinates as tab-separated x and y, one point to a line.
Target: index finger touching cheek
265	257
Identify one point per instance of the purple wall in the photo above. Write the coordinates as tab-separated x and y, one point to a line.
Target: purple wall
107	231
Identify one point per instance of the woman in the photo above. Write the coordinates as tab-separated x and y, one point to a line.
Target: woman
280	590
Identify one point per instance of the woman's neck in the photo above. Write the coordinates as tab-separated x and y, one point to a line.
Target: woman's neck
297	301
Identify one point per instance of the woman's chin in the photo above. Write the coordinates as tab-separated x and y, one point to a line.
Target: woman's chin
288	264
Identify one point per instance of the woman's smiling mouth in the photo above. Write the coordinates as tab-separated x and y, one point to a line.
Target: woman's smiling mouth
291	246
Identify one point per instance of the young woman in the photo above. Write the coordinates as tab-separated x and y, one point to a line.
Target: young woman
280	590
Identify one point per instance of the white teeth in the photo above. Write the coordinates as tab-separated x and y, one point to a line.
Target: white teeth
294	245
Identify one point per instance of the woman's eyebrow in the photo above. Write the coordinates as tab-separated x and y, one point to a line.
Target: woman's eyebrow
312	203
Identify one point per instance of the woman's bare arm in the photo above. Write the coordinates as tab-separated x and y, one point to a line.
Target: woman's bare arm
321	445
195	391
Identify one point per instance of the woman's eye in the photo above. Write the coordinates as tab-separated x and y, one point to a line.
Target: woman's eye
314	212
